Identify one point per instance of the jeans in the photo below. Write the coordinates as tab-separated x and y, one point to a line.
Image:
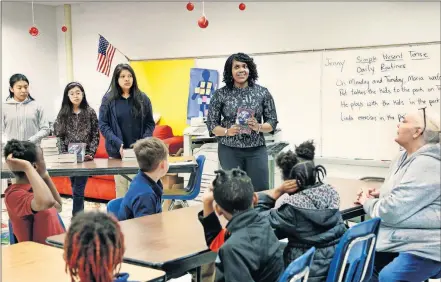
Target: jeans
78	186
254	161
394	267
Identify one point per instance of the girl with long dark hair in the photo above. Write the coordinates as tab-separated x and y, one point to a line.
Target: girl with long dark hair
77	123
125	116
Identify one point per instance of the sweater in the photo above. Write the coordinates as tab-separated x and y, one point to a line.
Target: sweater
110	128
409	205
79	128
24	121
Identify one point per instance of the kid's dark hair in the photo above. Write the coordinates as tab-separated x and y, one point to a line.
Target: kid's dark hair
23	150
16	78
67	106
233	190
116	91
300	165
93	247
228	69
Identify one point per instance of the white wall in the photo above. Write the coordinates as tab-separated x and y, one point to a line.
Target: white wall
34	57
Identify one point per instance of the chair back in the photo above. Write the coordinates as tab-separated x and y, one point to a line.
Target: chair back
194	183
354	256
298	270
114	205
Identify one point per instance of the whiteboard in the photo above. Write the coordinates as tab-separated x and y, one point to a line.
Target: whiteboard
294	82
366	91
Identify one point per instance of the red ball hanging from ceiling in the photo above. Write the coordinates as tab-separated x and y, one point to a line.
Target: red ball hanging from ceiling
190	6
203	22
242	6
64	28
33	31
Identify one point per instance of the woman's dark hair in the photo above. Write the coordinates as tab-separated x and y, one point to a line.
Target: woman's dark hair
93	247
233	190
16	78
67	106
23	150
300	165
228	69
116	91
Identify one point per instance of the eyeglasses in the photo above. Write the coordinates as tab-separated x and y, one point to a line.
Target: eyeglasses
424	117
78	93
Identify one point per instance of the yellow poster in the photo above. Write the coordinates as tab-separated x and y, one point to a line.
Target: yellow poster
166	84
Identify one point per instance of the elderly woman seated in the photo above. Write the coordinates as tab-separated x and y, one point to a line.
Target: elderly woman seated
408	203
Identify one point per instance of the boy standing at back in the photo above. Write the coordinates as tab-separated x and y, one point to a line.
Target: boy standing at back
249	249
145	191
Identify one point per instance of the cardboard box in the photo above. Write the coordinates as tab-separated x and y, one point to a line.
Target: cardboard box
172	181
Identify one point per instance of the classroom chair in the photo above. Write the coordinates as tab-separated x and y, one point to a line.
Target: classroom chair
193	188
13	239
298	270
354	256
113	206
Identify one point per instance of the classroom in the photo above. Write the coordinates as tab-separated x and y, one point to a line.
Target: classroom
143	141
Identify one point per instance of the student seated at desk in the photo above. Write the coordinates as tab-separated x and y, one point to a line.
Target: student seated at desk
94	248
249	249
304	210
33	201
144	196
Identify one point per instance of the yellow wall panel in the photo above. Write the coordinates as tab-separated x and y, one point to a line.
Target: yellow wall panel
166	83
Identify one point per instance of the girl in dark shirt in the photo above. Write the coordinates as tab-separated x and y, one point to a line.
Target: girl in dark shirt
243	148
125	117
77	123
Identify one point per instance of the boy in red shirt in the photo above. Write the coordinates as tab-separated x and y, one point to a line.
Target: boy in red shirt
33	201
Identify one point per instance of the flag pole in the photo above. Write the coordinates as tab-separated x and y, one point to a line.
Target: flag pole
117	49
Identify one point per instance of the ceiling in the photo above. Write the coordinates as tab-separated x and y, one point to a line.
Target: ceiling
61	2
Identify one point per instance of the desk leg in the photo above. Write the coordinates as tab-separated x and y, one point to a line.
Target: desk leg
126	177
198	274
188	151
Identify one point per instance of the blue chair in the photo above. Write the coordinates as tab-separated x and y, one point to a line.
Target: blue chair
114	205
354	256
193	188
298	270
13	239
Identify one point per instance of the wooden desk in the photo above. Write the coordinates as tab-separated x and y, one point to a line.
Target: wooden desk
348	189
172	241
29	261
108	167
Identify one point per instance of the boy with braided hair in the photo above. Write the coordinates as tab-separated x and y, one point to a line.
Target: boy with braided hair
94	248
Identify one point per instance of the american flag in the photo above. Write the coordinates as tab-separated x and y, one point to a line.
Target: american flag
105	56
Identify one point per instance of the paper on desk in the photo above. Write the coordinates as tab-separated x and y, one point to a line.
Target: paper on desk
189	163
